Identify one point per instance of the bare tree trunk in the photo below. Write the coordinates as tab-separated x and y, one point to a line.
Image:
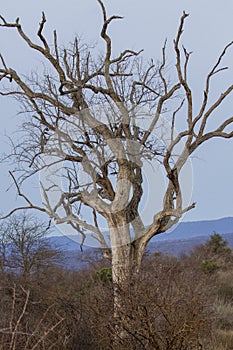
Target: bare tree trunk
122	270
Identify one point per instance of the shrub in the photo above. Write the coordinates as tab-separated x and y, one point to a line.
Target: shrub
209	266
105	274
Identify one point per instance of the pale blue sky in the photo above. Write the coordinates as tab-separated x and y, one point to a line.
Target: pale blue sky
146	24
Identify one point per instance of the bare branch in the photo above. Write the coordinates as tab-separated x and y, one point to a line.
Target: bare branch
40	35
56	46
162	99
22	195
183	76
44	51
213	71
103	10
161	224
173	118
212	108
3	62
46	333
162	67
125	55
176	46
15	328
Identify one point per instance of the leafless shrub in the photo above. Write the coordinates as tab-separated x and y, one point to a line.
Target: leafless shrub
173	305
167	308
19	329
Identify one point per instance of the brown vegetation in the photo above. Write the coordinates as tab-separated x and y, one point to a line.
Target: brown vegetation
177	304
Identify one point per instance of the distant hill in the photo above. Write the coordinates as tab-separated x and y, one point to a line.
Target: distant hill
186	230
187	235
182	239
177	246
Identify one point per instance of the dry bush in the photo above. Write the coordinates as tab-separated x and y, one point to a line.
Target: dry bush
219	283
168	307
222	333
86	305
26	324
225	285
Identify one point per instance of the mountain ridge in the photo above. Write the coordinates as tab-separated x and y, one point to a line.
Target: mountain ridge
182	239
184	230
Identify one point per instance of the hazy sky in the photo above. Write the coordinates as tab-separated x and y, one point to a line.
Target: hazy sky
146	24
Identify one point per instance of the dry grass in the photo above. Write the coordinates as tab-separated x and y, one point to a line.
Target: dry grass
224	311
223	340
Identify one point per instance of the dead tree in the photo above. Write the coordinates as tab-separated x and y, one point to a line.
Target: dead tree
87	118
23	245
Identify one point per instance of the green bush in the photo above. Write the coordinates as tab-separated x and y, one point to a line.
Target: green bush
105	274
209	266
